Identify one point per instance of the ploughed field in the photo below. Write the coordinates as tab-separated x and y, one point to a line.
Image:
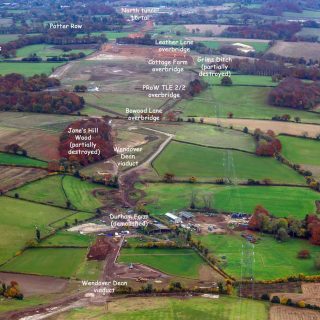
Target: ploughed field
279	201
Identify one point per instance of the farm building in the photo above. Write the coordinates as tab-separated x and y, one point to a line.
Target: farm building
173	218
186	215
158	228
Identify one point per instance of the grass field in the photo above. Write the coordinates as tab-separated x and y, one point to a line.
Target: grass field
300	150
8	37
168	197
48	190
159	308
80	193
111	35
58	190
18	221
247	80
257	46
80	216
66	238
28	69
309	32
209	136
47	261
210	163
177	262
45	51
243	102
13	159
273	259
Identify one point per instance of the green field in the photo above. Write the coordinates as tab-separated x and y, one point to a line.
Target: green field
48	261
80	193
243	102
48	190
311	14
257	46
45	51
67	238
13	159
18	221
111	35
8	37
301	151
80	216
247	80
177	262
28	69
164	198
184	161
309	32
58	190
273	259
209	135
159	308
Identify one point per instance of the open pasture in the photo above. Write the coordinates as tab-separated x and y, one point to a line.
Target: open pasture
159	308
176	262
208	164
19	160
57	262
273	259
300	150
243	102
163	197
18	221
208	135
28	69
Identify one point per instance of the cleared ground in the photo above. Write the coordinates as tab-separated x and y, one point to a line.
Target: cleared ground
45	148
307	50
178	262
272	259
224	308
288	313
184	161
164	198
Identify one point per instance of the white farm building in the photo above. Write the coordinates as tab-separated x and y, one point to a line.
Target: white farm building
173	218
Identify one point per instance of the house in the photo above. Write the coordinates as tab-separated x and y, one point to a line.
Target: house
173	218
